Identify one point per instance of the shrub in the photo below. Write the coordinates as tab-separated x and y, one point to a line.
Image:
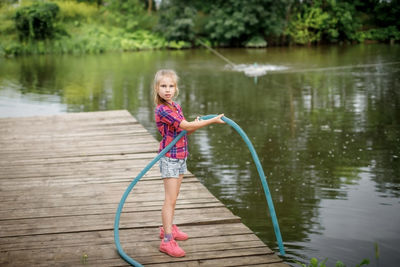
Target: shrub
256	42
72	10
177	23
390	33
128	14
36	22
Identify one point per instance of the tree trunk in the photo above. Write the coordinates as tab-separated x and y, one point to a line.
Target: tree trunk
150	7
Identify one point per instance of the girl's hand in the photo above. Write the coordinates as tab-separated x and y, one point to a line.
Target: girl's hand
197	123
218	119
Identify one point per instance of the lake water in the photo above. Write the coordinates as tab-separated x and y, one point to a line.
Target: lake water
325	122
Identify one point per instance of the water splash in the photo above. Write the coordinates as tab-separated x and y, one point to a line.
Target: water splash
256	70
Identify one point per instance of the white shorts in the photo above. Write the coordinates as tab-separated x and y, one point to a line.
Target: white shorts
172	168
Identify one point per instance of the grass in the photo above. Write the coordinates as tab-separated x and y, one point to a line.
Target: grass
83	28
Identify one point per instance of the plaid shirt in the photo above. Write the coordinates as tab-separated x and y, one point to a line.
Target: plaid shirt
168	121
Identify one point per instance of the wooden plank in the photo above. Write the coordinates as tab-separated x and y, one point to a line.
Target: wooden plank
16	184
79	178
77	143
71	160
91	191
145	252
98	166
83	116
104	208
254	260
105	255
95	222
106	237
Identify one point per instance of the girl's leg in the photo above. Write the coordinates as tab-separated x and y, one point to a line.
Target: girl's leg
171	188
178	188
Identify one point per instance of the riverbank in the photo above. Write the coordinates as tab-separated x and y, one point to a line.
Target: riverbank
90	39
69	27
79	28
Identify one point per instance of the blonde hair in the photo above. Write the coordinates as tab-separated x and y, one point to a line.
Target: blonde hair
156	83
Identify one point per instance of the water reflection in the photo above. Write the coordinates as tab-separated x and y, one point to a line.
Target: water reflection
329	141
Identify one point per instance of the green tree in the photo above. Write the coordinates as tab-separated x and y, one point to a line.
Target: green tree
236	22
177	21
231	23
343	23
387	14
323	21
308	27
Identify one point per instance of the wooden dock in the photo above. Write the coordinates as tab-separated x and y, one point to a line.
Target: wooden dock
62	177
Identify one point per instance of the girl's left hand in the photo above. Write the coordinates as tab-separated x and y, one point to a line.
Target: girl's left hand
218	119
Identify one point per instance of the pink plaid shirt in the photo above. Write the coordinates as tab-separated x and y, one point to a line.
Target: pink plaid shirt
168	121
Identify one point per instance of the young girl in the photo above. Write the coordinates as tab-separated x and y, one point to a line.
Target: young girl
170	122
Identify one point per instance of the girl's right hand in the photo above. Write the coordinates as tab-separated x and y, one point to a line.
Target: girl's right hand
218	119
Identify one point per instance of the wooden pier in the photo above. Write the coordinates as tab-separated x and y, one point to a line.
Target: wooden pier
62	177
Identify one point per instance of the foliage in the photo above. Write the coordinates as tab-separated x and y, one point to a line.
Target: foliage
236	22
91	39
91	29
73	11
98	2
379	34
127	14
177	21
256	41
95	26
307	28
37	21
343	23
239	23
314	263
328	21
7	23
387	13
229	23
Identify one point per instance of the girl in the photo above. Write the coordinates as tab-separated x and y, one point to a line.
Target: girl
170	122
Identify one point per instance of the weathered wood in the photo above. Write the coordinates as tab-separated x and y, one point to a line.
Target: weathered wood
105	237
95	222
62	177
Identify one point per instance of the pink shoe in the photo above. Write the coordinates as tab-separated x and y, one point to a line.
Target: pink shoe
171	248
176	233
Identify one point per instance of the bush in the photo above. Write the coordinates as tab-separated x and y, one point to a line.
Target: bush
380	34
7	24
307	27
256	42
177	23
72	10
36	22
128	14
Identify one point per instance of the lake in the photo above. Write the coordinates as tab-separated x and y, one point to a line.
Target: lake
325	122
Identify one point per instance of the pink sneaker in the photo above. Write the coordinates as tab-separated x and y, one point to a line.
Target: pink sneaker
171	248
176	233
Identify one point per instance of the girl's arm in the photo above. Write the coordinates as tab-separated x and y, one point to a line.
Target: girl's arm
190	132
197	124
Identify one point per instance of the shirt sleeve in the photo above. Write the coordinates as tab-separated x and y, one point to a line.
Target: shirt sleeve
169	117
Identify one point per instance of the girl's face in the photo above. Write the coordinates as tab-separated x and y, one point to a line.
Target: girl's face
167	88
